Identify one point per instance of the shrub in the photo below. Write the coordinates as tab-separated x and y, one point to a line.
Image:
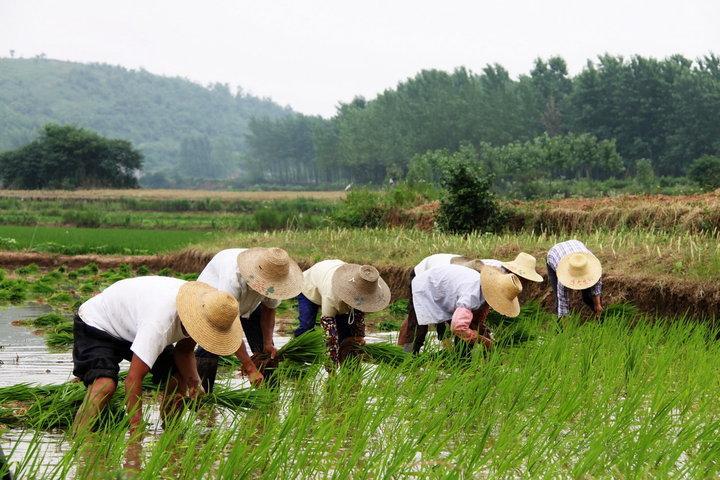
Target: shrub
362	208
705	171
83	218
469	204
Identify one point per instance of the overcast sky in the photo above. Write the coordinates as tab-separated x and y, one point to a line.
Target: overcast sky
313	54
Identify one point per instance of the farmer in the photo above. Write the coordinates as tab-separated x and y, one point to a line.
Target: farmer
139	319
411	335
258	278
464	296
343	293
572	266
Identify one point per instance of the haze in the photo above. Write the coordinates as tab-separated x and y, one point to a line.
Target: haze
313	55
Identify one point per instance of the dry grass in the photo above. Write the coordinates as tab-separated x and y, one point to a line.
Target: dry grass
149	194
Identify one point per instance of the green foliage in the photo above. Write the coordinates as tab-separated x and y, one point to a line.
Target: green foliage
705	171
71	157
155	113
362	208
644	173
469	204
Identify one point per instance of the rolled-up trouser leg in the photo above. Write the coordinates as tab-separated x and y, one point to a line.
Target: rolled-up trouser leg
329	325
441	328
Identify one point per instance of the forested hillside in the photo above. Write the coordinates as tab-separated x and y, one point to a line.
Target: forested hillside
617	117
182	128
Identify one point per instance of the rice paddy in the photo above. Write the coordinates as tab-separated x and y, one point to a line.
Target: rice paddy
625	397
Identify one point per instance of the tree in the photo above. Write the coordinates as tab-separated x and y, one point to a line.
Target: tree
705	171
69	157
469	204
644	173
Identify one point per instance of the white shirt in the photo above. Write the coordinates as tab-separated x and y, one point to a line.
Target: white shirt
140	310
491	262
222	273
433	261
318	288
438	292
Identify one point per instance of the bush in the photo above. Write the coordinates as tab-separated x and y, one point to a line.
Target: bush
705	171
362	208
83	218
469	204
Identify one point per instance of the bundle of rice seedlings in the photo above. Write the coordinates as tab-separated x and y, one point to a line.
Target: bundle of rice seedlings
47	320
307	348
60	336
384	352
242	398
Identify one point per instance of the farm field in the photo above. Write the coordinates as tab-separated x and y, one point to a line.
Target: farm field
74	240
150	194
622	398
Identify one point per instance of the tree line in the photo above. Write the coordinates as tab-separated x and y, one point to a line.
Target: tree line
615	115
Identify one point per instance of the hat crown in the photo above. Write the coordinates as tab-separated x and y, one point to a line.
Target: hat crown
368	277
275	262
220	309
510	286
577	263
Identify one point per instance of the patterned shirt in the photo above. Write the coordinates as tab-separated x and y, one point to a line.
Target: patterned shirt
554	256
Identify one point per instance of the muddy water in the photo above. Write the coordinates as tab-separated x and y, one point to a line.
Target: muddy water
25	358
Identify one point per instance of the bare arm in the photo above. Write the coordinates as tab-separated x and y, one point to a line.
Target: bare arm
267	325
598	307
184	355
248	366
133	390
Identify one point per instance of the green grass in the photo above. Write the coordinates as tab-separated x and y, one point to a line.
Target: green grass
72	240
653	252
623	398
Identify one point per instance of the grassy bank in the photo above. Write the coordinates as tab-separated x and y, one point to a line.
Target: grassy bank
588	400
687	255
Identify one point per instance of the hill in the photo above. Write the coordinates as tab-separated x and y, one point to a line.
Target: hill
181	127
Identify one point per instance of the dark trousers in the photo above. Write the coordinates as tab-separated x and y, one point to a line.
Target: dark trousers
207	362
587	295
308	312
411	331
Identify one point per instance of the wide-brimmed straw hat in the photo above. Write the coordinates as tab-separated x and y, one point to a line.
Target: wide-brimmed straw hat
361	287
524	266
579	270
270	272
210	317
501	291
473	263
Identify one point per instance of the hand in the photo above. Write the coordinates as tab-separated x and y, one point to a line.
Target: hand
598	309
195	390
256	378
270	350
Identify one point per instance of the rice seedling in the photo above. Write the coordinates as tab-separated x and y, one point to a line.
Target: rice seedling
383	352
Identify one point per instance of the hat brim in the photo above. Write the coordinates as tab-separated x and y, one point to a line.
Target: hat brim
493	296
367	302
189	307
579	282
283	288
523	272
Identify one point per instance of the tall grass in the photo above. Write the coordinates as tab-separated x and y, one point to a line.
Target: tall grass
582	400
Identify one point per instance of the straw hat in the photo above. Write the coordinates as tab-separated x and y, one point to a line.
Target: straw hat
270	272
524	266
361	287
210	317
475	264
501	291
579	270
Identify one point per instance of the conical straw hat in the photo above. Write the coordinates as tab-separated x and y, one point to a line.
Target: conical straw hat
210	317
270	272
579	270
501	291
524	266
474	263
459	260
361	287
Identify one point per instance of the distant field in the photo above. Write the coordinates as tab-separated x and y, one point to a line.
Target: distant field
149	194
97	240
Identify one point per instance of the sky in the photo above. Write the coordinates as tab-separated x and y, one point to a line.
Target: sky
312	55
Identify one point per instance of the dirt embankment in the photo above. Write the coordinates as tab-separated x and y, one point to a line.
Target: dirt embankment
687	213
654	295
